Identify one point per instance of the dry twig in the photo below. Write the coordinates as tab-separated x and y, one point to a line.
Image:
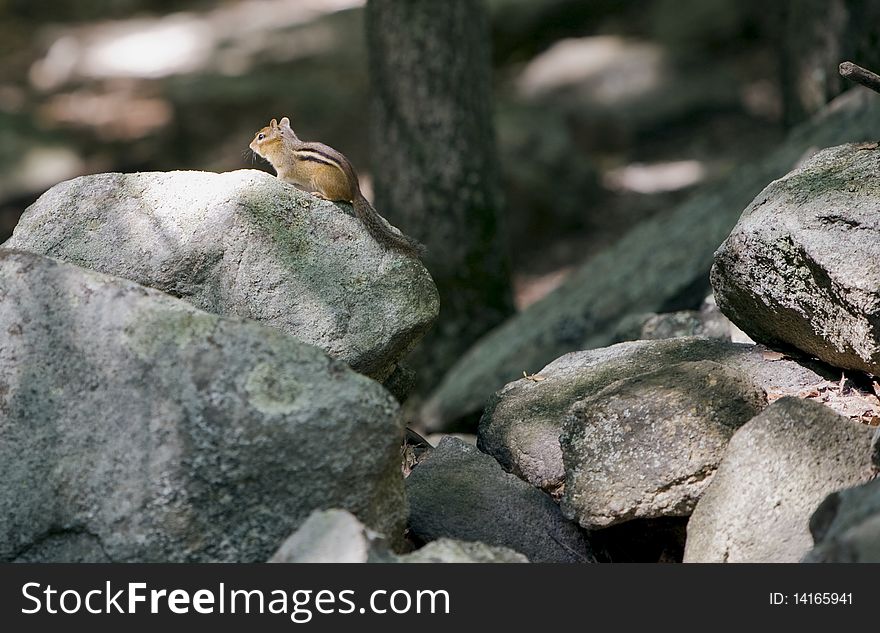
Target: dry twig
860	75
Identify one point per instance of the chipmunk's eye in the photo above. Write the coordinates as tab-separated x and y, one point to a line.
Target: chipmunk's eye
260	137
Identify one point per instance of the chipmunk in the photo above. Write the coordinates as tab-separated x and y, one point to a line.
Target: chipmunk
325	173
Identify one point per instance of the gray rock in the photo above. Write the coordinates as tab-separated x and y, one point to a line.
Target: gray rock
71	545
242	244
802	266
138	428
336	536
661	263
681	324
445	550
777	469
875	449
647	446
707	321
846	526
329	536
458	492
858	544
522	422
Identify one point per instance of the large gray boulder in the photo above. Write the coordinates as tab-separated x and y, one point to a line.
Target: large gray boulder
455	491
336	536
802	266
647	446
661	264
134	427
777	469
522	422
846	526
243	244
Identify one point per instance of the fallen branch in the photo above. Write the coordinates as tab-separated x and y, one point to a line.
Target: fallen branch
860	75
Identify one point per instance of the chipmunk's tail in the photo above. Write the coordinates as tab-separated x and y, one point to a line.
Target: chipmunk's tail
381	232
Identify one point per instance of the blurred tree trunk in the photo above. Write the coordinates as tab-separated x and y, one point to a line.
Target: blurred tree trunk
816	35
435	167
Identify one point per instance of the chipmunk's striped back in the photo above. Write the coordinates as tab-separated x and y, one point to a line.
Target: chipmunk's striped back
324	171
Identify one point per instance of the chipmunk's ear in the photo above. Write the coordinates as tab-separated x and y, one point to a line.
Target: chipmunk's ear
285	122
273	124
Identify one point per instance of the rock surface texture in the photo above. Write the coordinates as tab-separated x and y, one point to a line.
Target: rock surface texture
523	421
455	491
875	449
846	526
336	536
243	244
135	427
329	536
777	469
447	550
647	446
802	266
707	321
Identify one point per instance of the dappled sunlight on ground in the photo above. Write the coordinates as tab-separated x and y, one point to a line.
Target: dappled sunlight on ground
656	177
529	289
113	115
228	39
607	68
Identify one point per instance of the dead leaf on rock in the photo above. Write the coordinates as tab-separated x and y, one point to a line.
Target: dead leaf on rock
771	355
844	398
533	377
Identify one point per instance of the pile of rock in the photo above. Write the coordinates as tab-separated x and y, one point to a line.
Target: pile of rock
745	442
655	429
135	426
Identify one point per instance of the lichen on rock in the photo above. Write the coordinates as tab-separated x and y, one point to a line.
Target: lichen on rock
243	244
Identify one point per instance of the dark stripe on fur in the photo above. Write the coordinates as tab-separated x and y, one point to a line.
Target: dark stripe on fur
311	147
315	159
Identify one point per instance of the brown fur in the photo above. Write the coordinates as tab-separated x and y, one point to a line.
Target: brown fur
325	172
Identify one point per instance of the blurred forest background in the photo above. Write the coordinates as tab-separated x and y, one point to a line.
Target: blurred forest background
517	138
